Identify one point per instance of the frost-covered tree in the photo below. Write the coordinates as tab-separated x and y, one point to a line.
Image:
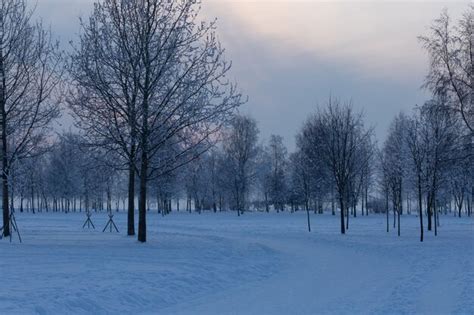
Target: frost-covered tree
361	167
300	181
319	179
197	183
157	77
74	176
451	51
165	189
433	141
460	172
263	171
336	134
418	155
277	176
395	162
240	146
30	72
440	140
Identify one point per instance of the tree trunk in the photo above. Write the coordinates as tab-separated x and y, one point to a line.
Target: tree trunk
131	198
398	223
309	223
459	204
6	213
394	214
267	208
347	217
341	203
3	123
470	203
420	208
408	205
142	201
144	156
333	205
428	210
366	200
387	211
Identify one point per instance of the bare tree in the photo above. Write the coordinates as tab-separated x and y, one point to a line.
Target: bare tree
314	177
30	71
241	152
394	160
151	77
277	154
451	51
301	180
185	98
418	155
104	94
440	140
263	174
337	135
459	176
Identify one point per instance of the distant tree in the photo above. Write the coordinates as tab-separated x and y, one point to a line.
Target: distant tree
201	181
317	177
263	174
395	162
440	140
241	149
460	172
418	155
224	191
65	169
301	181
197	183
384	184
212	164
165	188
366	173
338	136
277	180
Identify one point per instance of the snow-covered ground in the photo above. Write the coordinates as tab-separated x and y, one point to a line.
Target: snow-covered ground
221	264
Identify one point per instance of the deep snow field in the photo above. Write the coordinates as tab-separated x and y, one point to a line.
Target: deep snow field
223	264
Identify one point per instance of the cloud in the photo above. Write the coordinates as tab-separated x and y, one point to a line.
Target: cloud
376	39
288	56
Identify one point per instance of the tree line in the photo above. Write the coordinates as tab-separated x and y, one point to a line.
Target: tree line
156	124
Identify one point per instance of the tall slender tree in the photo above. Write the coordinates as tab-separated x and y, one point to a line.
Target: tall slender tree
241	151
395	157
149	80
337	135
418	154
30	72
451	51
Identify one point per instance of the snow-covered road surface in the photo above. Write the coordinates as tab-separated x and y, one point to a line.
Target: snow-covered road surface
223	264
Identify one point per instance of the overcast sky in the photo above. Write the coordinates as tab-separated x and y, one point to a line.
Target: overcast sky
289	56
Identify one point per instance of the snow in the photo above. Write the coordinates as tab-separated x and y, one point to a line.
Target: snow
223	264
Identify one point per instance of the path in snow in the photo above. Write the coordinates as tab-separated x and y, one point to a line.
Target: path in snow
221	264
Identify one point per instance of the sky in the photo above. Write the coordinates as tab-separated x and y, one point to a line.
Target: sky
290	56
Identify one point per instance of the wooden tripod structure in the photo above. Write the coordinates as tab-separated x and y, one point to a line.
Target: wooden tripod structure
13	225
88	221
110	224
